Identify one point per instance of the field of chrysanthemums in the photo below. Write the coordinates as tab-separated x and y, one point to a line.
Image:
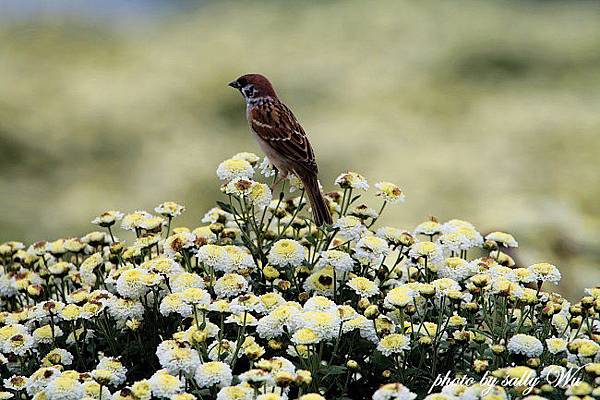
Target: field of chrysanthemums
259	303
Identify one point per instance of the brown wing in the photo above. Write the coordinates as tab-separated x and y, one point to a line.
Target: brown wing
277	125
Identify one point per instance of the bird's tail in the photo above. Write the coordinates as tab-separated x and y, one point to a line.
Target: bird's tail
320	209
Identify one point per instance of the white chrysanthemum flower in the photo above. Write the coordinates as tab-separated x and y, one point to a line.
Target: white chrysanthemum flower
15	383
394	391
428	228
230	285
185	280
132	221
117	369
177	358
306	336
234	168
526	345
552	372
505	239
460	235
341	261
177	242
196	296
479	391
500	271
321	304
524	275
238	259
108	218
399	296
272	325
391	234
323	282
8	286
18	344
174	304
352	180
248	156
124	309
215	215
266	168
430	251
64	388
93	390
351	228
40	379
58	356
325	324
389	192
545	272
213	373
131	283
259	195
235	393
164	385
246	303
286	252
364	325
371	249
163	265
46	334
242	319
270	301
556	345
455	268
169	209
363	212
445	285
394	343
363	286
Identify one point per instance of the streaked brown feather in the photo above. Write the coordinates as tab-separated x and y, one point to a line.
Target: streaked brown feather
274	123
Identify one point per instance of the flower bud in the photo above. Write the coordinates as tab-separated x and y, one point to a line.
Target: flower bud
470	307
386	374
275	344
270	272
410	309
533	362
575	323
363	303
216	228
587	302
498	349
283	379
303	377
302	297
480	366
284	285
372	312
480	280
490	245
427	290
35	290
575	309
351	364
406	239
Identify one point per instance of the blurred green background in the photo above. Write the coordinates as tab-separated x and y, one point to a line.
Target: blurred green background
481	110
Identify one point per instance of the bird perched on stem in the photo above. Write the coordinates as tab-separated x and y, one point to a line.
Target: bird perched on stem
282	139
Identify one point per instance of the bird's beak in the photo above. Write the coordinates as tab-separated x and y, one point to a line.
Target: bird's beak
234	84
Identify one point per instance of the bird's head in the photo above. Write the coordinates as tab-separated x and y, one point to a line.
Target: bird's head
253	86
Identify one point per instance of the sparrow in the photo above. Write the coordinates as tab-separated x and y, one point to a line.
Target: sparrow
281	137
